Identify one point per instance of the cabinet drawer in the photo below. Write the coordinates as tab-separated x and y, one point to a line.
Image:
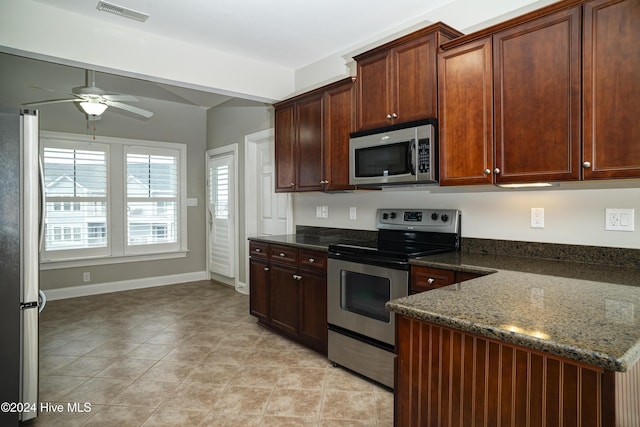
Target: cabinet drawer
283	254
312	259
426	279
258	249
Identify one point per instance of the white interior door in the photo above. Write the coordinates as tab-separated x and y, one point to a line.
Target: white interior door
221	208
266	212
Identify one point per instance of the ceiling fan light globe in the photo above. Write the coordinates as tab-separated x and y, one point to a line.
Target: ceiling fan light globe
93	108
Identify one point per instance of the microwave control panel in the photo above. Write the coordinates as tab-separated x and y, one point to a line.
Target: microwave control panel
423	155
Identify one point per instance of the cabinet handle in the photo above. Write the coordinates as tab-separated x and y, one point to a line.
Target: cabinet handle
586	165
312	260
487	171
430	280
282	254
266	269
258	250
394	116
496	171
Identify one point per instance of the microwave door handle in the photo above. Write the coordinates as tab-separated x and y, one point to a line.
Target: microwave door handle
412	157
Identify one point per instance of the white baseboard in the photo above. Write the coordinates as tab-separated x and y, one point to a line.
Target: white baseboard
242	288
125	285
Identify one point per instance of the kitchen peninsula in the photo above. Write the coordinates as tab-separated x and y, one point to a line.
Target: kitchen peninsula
530	342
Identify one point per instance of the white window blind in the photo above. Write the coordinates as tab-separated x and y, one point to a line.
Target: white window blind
76	198
152	198
112	198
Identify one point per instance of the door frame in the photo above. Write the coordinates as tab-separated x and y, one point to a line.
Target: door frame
231	149
251	142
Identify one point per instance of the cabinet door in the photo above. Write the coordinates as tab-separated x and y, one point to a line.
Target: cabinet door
611	79
284	298
339	119
284	147
309	144
374	91
465	82
313	309
414	87
259	288
537	99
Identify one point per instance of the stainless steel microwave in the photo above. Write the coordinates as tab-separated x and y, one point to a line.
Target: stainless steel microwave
394	156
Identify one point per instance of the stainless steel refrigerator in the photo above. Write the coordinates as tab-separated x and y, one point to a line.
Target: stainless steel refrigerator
20	239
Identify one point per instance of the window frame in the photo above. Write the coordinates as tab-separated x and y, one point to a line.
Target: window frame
116	218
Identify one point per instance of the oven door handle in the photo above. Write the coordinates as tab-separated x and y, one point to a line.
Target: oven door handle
364	259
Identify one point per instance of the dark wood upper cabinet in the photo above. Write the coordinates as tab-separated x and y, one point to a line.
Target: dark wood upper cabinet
312	139
611	89
465	88
285	140
309	144
536	69
397	82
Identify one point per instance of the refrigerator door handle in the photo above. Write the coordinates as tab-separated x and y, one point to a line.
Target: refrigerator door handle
43	301
42	205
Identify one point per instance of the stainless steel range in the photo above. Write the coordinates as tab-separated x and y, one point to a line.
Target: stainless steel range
363	276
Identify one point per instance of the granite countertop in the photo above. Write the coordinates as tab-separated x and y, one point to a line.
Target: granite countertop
303	241
578	311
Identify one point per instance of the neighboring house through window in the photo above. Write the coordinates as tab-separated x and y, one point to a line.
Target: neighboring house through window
112	197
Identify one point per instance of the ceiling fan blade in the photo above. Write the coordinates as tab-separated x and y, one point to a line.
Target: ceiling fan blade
119	97
131	109
52	101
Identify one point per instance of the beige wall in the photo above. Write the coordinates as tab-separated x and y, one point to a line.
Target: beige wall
170	123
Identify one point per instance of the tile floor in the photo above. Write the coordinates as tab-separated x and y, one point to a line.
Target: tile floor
189	355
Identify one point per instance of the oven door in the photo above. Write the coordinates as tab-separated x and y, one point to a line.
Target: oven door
357	294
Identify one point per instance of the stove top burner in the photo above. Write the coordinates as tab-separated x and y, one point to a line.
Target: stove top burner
403	235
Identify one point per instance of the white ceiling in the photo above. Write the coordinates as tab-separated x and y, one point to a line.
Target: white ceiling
290	33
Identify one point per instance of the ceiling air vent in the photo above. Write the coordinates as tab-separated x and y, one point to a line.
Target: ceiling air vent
104	6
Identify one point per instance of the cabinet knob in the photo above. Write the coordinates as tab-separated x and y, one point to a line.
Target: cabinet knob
296	277
258	250
430	280
388	116
496	171
266	269
394	116
293	184
282	254
586	165
487	171
312	260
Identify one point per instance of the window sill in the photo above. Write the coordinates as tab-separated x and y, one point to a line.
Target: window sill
68	263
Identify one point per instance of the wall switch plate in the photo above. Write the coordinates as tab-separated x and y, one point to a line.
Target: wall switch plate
619	219
537	217
318	211
325	211
86	276
352	213
192	201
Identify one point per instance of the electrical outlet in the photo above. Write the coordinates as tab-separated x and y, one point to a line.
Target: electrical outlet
325	211
318	211
619	219
86	276
537	217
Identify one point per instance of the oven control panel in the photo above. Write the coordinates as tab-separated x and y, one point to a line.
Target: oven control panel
436	220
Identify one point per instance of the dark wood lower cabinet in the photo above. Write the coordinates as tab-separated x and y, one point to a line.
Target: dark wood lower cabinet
288	292
446	377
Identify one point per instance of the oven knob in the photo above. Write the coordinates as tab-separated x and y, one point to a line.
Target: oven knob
385	216
444	217
393	215
434	216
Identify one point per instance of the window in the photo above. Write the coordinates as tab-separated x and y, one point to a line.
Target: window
112	197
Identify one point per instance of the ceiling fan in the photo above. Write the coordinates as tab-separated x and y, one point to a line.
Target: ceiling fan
94	101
